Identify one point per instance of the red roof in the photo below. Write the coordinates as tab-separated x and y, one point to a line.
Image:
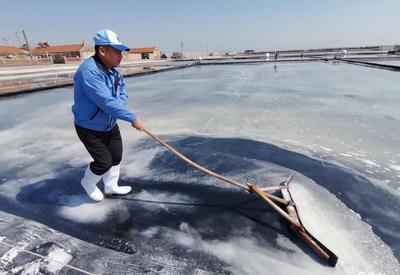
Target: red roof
11	50
58	49
142	50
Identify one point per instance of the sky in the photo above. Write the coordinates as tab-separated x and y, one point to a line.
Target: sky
206	25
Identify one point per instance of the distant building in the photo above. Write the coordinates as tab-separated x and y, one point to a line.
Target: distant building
12	52
13	56
143	53
176	55
63	53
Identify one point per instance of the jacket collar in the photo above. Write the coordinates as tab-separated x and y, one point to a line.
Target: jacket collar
101	65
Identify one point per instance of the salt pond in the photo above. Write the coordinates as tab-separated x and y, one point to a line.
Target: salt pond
336	126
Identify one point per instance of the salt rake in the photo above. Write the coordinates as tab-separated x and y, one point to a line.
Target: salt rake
291	214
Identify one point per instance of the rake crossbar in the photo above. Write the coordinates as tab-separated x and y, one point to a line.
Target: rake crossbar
321	250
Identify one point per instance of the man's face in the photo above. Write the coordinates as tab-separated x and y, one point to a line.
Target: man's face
110	56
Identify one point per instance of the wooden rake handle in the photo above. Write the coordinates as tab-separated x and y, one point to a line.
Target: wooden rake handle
197	166
209	172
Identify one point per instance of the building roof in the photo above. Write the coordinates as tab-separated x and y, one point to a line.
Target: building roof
58	49
142	50
5	50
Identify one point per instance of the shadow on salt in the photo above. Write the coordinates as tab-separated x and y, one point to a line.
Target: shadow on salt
187	209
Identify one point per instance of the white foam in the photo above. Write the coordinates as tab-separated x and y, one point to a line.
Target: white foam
246	254
57	259
164	200
79	161
136	162
394	167
80	209
27	269
369	163
150	232
326	149
10	255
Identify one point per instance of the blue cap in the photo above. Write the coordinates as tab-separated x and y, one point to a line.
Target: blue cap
109	38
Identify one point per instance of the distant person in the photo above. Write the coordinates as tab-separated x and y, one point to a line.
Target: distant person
343	54
276	55
99	101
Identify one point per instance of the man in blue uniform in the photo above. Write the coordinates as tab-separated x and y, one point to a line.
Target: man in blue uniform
99	101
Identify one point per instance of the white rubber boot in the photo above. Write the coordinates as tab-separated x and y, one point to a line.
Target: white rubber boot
110	180
89	182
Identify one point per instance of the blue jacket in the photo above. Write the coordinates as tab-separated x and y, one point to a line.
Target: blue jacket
99	96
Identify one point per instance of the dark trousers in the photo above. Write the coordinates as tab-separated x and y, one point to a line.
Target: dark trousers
104	147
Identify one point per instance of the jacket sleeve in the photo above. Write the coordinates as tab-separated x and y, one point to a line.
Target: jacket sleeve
97	90
124	94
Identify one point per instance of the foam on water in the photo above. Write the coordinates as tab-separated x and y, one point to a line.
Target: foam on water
81	209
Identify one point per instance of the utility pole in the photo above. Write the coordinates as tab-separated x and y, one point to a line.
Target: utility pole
182	48
27	43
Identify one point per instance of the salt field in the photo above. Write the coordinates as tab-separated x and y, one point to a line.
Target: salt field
335	125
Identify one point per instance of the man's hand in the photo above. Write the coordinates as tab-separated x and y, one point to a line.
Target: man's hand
137	124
